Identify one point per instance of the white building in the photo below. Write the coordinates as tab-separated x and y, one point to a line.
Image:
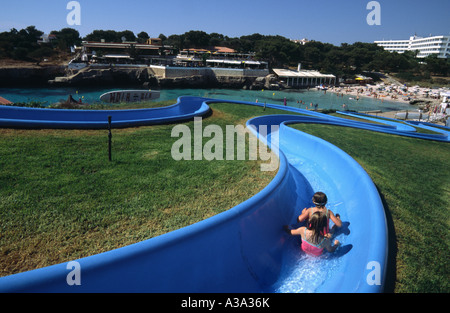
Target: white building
304	78
45	38
302	42
425	46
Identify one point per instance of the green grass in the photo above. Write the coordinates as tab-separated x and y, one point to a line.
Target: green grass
413	178
102	106
61	199
131	105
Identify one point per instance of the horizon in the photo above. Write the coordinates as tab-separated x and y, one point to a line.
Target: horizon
328	21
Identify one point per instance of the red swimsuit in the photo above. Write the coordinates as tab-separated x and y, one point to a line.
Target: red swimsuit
311	248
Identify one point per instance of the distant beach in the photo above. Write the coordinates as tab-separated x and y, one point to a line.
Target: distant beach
425	100
394	93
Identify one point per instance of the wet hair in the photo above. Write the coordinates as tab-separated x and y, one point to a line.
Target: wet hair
317	223
320	199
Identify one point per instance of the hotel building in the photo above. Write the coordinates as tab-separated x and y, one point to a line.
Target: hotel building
425	46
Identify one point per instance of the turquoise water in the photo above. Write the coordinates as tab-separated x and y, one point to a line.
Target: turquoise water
324	100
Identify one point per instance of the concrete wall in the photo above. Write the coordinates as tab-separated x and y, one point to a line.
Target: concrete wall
172	72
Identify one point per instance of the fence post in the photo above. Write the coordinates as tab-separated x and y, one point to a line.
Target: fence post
109	137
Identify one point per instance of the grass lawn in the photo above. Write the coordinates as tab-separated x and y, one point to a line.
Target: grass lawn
413	178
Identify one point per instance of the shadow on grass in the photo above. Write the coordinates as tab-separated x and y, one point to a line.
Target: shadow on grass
391	269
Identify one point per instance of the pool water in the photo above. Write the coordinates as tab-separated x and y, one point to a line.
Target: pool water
294	98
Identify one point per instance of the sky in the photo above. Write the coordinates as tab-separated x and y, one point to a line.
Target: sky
331	21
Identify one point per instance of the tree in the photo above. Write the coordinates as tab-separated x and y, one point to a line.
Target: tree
437	65
163	38
196	39
41	53
142	37
312	54
32	34
248	43
66	38
216	39
98	35
19	53
18	44
177	41
110	36
128	35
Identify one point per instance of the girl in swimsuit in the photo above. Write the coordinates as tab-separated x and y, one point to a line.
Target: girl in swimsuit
320	200
313	239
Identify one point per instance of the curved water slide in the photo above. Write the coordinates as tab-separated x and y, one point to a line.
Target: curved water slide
243	249
407	128
19	117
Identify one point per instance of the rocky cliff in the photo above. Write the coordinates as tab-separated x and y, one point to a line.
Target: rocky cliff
105	77
29	76
121	77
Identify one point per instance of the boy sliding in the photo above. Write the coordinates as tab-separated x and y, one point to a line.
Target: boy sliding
320	200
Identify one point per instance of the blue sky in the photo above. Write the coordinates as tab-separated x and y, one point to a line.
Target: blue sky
333	21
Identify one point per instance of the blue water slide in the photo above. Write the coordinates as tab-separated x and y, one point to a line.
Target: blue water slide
243	249
433	127
406	128
318	165
396	124
19	117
